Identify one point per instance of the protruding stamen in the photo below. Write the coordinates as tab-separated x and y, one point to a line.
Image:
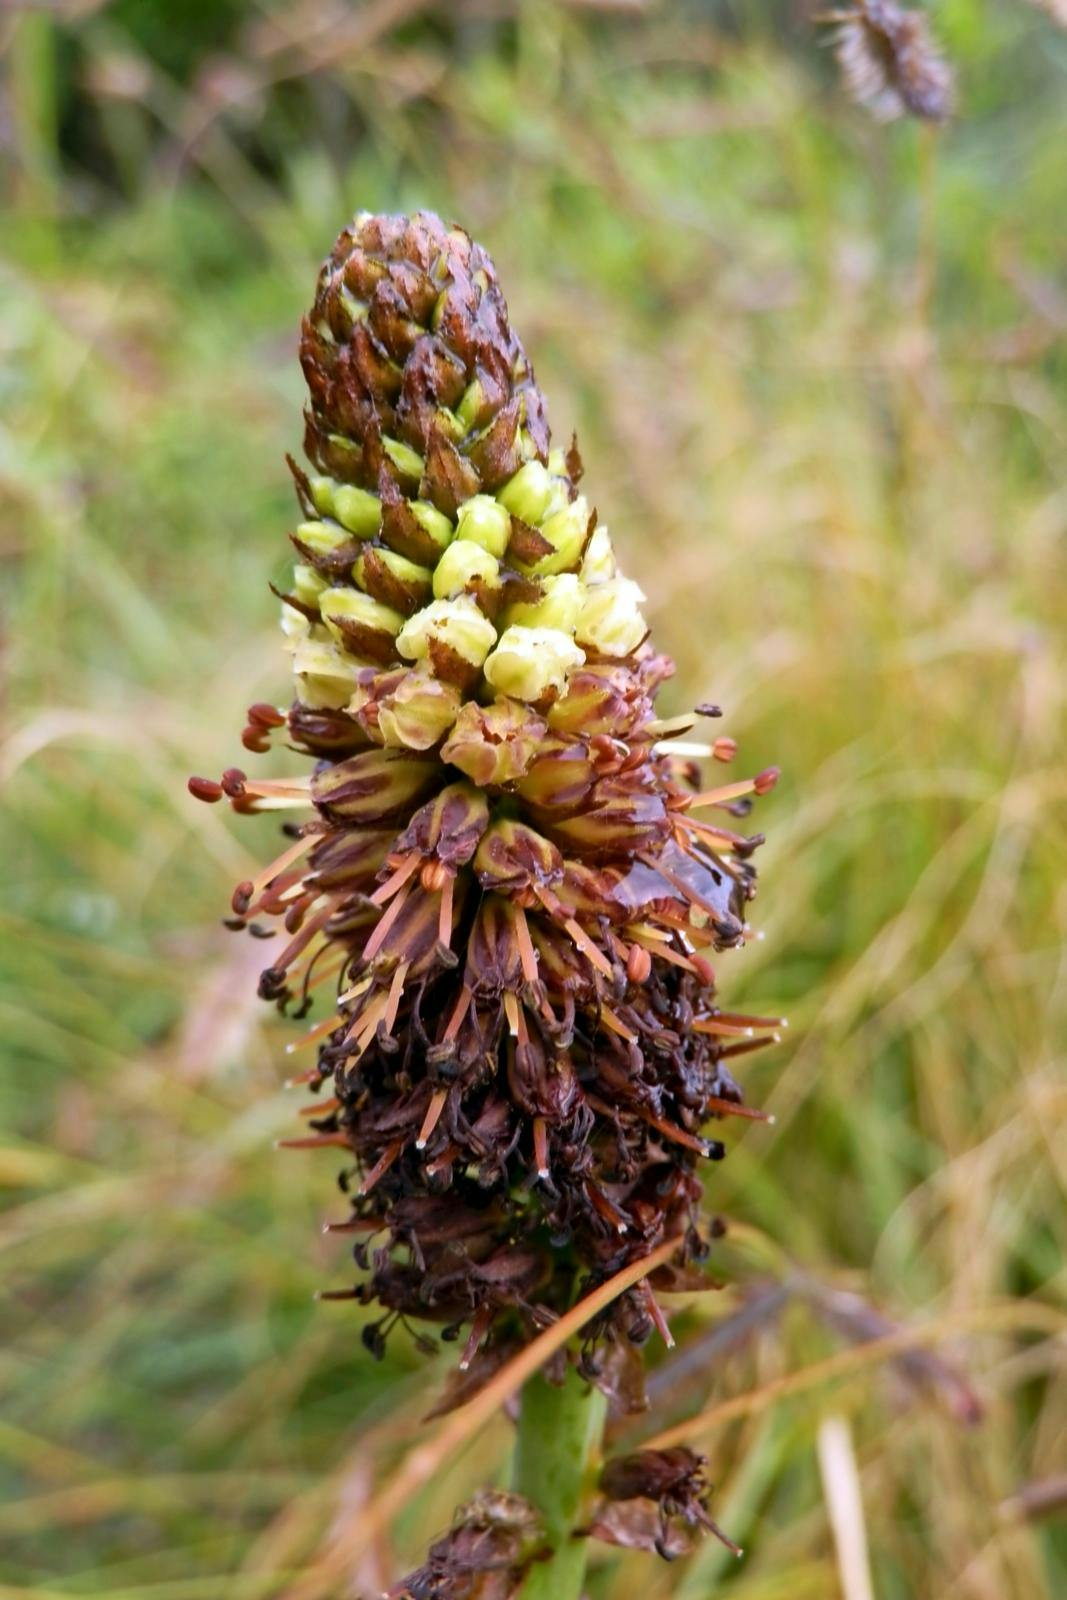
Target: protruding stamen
278	866
616	1024
385	922
319	1031
540	1144
444	915
721	1029
319	1108
432	1117
482	1318
527	953
459	1011
730	1108
762	783
596	957
395	881
396	990
655	1311
606	1208
380	1167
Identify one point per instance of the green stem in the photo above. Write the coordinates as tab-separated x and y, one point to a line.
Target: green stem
560	1430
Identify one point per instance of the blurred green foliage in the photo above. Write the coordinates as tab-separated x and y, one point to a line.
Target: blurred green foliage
817	368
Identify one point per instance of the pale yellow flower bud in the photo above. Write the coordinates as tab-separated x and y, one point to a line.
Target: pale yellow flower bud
529	662
322	538
610	620
463	566
307	584
558	606
325	675
598	563
457	624
484	521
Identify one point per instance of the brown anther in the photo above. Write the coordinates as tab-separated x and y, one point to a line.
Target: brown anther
638	964
266	716
724	749
432	877
254	739
205	789
707	708
233	782
765	781
242	897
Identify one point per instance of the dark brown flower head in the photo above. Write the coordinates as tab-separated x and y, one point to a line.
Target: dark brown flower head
670	1483
484	1556
508	874
890	62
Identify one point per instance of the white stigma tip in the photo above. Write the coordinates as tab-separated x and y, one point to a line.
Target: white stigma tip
772	1119
420	1144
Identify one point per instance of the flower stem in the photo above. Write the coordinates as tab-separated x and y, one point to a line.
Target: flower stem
560	1429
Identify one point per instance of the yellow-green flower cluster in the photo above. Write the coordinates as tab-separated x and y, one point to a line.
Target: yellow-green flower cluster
524	589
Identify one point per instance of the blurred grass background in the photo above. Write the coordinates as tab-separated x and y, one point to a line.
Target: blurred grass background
817	368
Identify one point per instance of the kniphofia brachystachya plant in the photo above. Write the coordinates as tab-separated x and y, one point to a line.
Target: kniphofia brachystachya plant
501	861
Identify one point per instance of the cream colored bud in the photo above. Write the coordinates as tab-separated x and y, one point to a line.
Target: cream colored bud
610	620
458	624
358	510
527	493
295	626
348	613
463	564
484	521
558	606
598	563
528	662
325	676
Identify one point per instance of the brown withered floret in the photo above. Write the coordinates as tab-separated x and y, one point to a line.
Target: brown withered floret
510	880
675	1483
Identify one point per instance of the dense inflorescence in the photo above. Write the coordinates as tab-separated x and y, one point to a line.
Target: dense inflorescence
509	873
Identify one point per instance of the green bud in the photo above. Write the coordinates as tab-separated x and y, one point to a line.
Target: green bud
484	521
566	529
610	620
470	406
463	564
558	606
456	625
358	509
433	522
407	461
530	662
307	584
322	490
322	538
528	493
373	785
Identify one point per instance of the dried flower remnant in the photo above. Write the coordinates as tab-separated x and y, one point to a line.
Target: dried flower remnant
506	874
484	1556
648	1494
890	62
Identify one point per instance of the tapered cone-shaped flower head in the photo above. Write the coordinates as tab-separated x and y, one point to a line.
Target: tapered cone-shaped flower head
510	876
